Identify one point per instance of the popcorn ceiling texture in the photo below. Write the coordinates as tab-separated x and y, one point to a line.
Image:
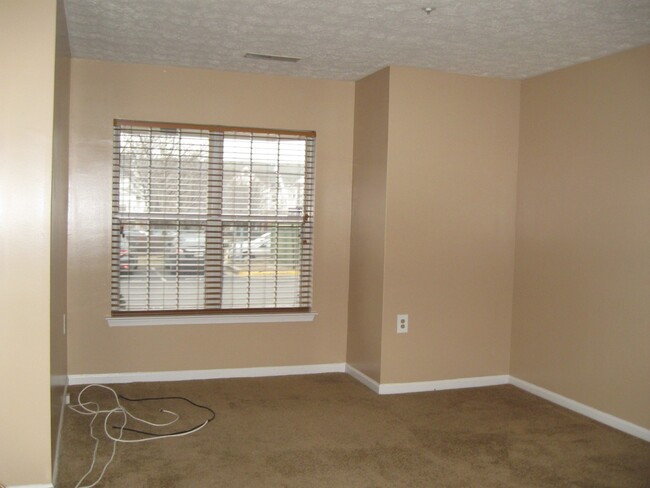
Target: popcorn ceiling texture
349	39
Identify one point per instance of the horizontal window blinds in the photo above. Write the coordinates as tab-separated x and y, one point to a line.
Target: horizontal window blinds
210	219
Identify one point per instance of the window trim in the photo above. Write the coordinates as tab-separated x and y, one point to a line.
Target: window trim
214	315
208	319
212	128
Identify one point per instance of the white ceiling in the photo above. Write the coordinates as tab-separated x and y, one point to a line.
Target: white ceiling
348	39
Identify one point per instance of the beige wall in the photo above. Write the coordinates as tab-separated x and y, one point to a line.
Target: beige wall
449	249
435	165
102	91
27	40
582	288
59	237
368	223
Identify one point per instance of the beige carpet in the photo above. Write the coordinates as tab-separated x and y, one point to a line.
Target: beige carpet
324	431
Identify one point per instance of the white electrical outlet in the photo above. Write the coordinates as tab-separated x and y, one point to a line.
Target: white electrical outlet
402	323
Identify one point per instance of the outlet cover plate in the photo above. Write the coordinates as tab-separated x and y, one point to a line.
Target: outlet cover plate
402	323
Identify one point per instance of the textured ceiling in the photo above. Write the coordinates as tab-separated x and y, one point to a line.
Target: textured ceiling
348	39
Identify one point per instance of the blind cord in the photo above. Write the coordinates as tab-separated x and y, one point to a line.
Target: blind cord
93	409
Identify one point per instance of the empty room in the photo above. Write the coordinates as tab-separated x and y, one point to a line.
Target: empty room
292	243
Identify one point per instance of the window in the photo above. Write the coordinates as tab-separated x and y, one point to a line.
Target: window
211	219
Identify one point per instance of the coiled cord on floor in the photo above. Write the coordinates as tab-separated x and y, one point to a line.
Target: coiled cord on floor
174	434
93	409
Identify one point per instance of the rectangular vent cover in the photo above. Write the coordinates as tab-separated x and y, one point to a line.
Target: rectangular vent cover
271	57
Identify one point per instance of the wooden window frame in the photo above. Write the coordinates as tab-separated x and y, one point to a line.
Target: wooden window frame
215	271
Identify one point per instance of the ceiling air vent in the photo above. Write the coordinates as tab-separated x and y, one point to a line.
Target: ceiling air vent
271	57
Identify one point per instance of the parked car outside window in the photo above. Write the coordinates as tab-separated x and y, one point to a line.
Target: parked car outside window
187	256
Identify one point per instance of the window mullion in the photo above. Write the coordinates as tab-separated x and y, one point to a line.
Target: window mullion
214	226
307	228
251	182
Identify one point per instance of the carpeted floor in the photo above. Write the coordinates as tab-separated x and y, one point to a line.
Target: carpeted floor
329	431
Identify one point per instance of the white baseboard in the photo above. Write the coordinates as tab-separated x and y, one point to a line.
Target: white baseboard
362	378
377	387
421	386
31	486
582	409
204	374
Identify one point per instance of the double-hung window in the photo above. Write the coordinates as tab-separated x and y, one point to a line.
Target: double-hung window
210	219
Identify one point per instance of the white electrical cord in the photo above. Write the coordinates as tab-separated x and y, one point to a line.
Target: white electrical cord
84	408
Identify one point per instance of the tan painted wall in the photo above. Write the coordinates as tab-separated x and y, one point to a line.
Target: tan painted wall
102	91
368	223
59	237
581	324
449	251
27	40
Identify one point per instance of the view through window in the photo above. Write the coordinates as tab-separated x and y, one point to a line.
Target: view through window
209	219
